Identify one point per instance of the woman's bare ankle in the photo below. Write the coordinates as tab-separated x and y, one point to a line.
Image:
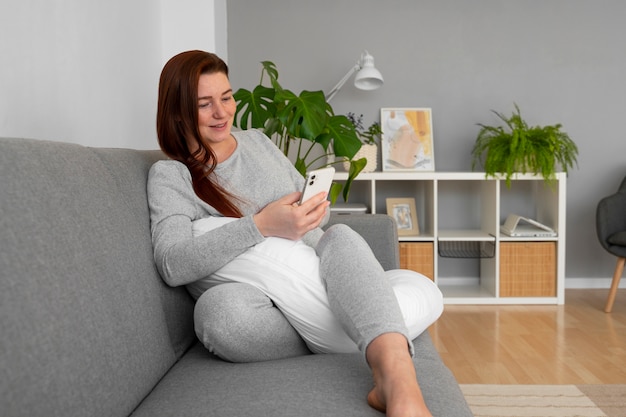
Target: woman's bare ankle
396	390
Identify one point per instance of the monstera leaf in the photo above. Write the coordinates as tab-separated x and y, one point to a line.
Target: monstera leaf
254	108
341	132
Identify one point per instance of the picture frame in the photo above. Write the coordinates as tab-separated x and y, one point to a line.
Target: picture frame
404	213
407	139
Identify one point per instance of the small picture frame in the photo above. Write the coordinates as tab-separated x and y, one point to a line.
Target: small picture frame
407	140
404	212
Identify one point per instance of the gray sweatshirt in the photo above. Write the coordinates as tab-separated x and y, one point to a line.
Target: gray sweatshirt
257	172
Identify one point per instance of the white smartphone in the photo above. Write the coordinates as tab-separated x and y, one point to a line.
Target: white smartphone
317	181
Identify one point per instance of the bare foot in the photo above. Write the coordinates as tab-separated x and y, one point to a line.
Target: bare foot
396	391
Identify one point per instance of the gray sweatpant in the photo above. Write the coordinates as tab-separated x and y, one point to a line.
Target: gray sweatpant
239	322
358	291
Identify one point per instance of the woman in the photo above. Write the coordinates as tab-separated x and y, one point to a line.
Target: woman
247	192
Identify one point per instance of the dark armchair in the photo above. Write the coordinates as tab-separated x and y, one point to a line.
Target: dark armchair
611	229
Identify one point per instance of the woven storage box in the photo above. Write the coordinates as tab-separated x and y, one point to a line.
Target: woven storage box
527	269
417	257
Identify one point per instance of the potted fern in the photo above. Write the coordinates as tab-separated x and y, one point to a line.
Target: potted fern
370	138
303	121
517	147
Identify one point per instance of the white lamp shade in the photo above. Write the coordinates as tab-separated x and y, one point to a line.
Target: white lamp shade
368	77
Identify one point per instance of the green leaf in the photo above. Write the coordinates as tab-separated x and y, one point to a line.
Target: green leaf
272	72
356	166
341	132
335	190
254	108
304	116
273	126
300	165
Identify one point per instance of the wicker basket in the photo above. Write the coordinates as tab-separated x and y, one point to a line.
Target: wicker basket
418	257
527	269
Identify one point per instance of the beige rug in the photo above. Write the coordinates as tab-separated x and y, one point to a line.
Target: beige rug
546	400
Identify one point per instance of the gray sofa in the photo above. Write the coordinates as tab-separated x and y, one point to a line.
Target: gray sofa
88	328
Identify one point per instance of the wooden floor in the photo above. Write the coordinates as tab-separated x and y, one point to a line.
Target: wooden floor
576	343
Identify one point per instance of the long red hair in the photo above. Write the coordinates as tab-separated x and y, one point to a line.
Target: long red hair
177	124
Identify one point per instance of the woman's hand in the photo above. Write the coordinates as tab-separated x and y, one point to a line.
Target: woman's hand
285	218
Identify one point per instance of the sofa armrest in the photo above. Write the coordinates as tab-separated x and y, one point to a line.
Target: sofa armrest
380	232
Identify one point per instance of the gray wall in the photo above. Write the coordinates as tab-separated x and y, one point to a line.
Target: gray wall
561	61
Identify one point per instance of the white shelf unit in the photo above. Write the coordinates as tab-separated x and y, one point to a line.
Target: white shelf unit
455	207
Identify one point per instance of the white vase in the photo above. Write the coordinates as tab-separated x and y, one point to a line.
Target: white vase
369	152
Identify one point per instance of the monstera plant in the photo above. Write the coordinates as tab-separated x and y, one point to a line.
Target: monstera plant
299	123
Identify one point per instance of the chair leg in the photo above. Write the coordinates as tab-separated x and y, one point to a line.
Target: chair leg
619	268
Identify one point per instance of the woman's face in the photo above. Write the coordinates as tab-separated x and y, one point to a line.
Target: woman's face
216	109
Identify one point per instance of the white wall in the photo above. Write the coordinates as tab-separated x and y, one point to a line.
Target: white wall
86	71
193	24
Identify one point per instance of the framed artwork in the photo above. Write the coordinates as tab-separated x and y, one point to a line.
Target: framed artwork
403	211
407	139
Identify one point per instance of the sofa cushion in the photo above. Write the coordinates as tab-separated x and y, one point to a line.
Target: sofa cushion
88	327
308	386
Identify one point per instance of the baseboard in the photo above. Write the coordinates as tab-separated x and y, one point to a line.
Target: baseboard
590	283
570	283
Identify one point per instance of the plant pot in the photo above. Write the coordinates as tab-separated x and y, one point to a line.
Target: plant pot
369	152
